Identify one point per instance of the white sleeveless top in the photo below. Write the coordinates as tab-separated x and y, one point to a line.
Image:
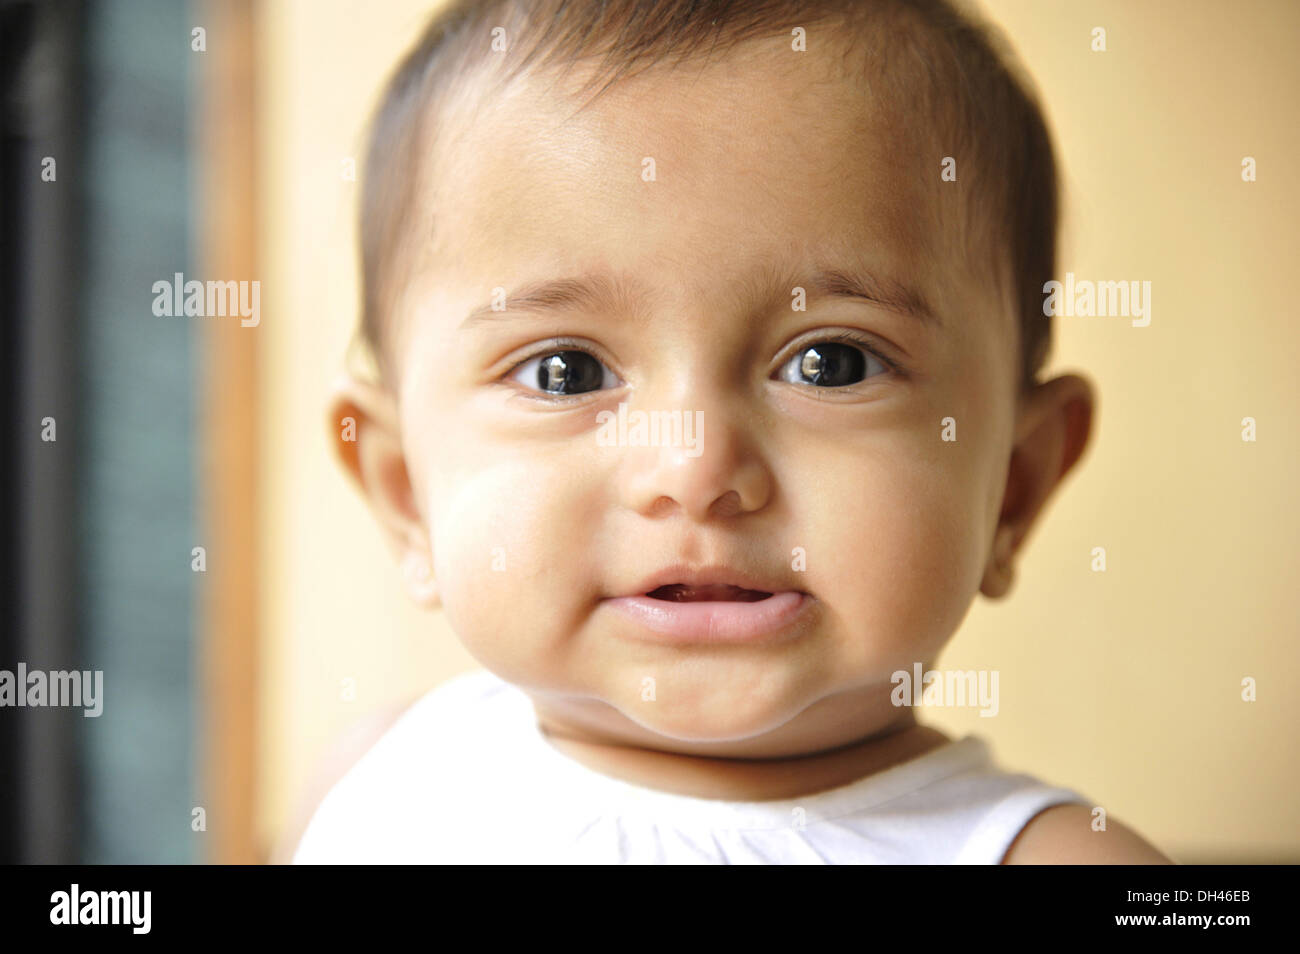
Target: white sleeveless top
466	776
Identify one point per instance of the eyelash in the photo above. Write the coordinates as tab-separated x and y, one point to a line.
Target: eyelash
857	339
548	348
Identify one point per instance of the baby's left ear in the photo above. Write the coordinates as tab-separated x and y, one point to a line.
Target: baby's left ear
1053	425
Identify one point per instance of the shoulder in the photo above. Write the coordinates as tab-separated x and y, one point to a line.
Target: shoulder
1063	835
444	705
339	757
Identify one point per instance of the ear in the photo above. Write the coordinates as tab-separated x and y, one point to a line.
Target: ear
366	436
1053	425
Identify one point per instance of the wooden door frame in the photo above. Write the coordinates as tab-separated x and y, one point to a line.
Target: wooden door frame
227	155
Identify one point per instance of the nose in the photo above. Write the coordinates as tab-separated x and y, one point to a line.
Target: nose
724	475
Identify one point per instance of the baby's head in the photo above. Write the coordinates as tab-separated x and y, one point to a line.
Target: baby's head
742	296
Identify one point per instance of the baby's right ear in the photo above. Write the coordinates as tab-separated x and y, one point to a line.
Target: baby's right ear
366	436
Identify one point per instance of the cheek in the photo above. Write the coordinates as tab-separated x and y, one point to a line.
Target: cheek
896	545
508	541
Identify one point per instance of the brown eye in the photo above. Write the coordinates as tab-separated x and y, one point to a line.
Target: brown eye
564	372
830	364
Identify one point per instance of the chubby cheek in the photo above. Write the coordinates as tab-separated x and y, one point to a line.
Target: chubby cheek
896	551
511	553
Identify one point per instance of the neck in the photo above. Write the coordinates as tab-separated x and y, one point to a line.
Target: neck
747	779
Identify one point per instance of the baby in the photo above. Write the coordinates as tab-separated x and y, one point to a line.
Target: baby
707	340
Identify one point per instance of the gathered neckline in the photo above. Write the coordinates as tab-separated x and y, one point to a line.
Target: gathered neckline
617	796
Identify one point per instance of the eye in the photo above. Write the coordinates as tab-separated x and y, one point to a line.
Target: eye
564	372
831	364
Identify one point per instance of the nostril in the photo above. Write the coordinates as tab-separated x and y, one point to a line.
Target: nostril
728	505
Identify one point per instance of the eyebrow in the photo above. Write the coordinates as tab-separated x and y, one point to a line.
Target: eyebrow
592	292
862	285
598	292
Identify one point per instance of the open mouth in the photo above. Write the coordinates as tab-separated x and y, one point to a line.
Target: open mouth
713	592
708	611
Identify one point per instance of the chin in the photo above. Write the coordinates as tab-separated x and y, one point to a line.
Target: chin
707	716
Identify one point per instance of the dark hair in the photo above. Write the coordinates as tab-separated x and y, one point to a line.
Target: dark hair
969	89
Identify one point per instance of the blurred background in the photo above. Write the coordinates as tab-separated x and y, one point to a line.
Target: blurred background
223	139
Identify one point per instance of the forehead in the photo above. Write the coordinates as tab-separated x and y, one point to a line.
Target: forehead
691	179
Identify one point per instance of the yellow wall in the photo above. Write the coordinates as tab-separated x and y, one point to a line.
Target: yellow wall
1123	684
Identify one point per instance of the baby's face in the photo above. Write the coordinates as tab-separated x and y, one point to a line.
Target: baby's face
701	201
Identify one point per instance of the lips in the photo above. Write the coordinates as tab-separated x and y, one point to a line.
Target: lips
715	605
714	592
686	584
